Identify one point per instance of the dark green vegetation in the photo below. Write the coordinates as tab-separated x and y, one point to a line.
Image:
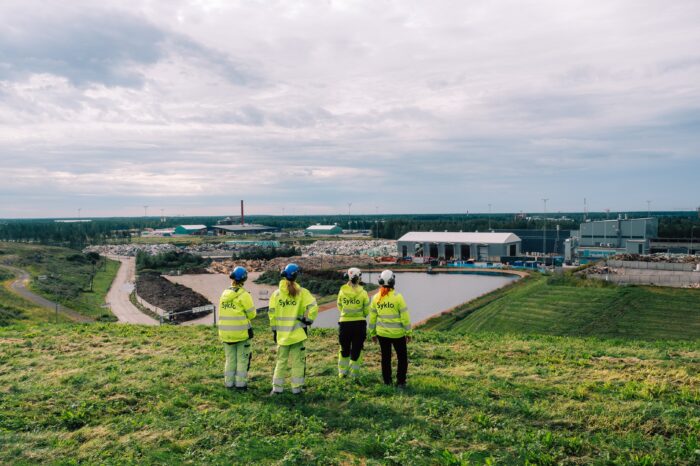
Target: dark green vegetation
117	394
76	280
257	253
567	305
318	282
172	261
102	230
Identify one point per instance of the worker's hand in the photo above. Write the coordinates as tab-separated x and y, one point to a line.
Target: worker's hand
274	336
408	339
374	339
306	321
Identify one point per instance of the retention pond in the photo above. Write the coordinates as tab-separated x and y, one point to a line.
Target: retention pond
430	294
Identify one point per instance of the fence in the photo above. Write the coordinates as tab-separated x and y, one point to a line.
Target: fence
640	265
659	278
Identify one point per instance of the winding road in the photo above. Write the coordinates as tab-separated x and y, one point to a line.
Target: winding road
118	295
19	286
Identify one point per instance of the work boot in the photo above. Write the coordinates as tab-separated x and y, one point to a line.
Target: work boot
297	391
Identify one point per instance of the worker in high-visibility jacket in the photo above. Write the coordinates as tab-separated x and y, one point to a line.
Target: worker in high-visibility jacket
292	310
236	310
390	323
353	305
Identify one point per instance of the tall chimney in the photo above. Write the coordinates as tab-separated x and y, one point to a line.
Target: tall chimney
242	215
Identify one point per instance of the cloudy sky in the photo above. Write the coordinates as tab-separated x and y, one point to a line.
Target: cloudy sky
302	107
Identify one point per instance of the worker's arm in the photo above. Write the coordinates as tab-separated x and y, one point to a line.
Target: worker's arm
248	306
372	320
405	317
365	304
339	301
271	311
310	307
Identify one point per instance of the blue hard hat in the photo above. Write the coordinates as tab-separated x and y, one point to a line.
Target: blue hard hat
290	272
239	274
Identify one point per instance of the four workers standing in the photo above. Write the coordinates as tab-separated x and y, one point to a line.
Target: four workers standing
292	309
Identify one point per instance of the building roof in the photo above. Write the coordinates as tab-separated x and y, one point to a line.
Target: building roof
244	228
322	227
193	227
459	237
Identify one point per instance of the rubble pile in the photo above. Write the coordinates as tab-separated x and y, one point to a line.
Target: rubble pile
601	270
131	249
373	248
658	257
305	262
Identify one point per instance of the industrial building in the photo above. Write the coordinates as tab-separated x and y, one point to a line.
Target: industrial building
459	245
191	230
604	238
247	229
323	230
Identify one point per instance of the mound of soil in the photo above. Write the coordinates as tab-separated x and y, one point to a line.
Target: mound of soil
169	296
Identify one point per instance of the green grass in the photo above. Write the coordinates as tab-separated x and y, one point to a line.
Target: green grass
67	275
117	394
576	307
15	309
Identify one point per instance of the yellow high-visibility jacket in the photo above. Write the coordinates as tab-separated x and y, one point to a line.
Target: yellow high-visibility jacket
286	312
236	310
388	316
353	303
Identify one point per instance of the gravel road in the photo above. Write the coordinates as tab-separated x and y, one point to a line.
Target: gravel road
118	295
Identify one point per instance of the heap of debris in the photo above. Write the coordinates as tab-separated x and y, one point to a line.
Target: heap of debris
305	262
658	257
374	248
171	297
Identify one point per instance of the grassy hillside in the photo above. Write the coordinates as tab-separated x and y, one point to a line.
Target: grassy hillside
67	274
14	309
116	394
577	307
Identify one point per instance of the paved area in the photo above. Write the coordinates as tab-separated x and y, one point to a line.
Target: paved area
19	286
212	285
118	295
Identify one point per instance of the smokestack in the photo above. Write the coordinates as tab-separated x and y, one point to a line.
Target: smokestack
242	214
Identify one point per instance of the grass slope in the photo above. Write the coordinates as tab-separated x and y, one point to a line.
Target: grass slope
117	394
68	276
570	306
14	309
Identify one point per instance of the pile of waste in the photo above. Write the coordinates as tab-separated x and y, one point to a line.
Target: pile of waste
169	296
130	249
373	248
658	257
601	270
305	262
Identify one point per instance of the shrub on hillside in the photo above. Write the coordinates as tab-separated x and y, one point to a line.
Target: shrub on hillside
172	260
258	253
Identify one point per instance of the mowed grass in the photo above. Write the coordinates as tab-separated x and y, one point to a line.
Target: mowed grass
118	394
569	306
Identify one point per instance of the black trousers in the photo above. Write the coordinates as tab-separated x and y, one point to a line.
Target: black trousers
399	345
351	336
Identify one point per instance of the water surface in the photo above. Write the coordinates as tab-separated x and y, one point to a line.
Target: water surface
427	295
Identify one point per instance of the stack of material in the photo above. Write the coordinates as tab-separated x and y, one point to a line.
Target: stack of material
601	270
658	257
305	262
374	248
131	249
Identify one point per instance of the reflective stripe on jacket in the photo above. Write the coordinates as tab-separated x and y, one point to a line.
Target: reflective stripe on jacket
388	316
286	312
353	303
236	310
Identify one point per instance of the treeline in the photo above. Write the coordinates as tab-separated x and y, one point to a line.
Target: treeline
318	282
170	261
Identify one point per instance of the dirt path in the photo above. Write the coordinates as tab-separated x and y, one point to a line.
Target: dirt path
118	295
212	285
19	286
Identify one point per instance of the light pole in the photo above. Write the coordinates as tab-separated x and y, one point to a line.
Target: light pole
145	211
544	229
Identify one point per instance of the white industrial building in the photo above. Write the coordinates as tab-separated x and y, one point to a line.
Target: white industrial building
459	245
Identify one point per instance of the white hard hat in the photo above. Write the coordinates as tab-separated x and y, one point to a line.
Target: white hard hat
354	274
387	278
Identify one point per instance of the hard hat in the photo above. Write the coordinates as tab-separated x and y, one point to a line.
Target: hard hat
290	272
239	274
387	278
353	274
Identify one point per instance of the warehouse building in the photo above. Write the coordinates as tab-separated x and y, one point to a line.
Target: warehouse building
247	229
191	230
605	238
458	245
323	230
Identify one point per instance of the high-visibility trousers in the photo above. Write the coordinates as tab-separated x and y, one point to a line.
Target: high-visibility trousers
291	360
238	356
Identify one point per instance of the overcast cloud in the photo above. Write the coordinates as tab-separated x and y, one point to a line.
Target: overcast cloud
302	107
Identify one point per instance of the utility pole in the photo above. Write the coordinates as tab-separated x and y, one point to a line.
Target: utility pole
145	211
585	210
544	229
349	205
79	209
